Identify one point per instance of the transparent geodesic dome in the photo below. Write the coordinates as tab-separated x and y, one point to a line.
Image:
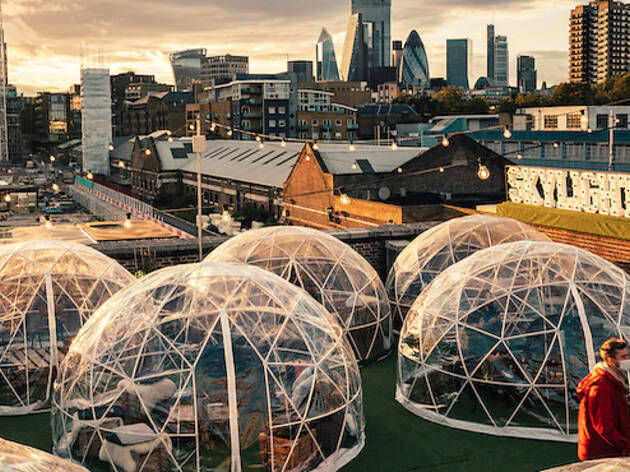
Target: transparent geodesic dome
210	367
435	250
47	291
16	457
329	270
499	341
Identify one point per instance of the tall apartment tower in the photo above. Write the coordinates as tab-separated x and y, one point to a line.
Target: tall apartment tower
599	41
526	74
376	15
490	56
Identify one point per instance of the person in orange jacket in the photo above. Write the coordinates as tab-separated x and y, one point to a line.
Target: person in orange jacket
604	419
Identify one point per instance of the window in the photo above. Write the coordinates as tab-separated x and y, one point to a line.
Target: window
551	122
303	123
282	110
337	135
314	122
574	120
272	123
272	110
282	123
602	121
337	122
622	121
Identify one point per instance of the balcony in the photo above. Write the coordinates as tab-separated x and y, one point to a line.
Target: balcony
251	101
251	91
252	114
327	128
252	128
353	126
303	128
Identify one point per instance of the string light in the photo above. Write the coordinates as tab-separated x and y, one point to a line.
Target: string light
89	175
7	197
52	158
147	151
47	223
483	173
354	165
441	170
399	170
283	143
352	148
111	147
519	156
121	164
229	132
168	132
394	146
445	141
258	138
226	216
170	139
344	199
213	127
55	187
507	134
127	223
556	145
315	146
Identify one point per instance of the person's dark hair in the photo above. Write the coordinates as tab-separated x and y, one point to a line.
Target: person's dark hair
609	348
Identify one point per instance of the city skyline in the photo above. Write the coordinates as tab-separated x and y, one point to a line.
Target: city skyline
45	41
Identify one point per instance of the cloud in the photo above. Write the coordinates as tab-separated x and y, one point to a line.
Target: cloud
47	38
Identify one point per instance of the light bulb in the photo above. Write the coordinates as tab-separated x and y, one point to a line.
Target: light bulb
52	158
191	127
315	146
7	198
283	143
354	165
170	139
213	127
147	152
399	170
483	173
308	158
445	141
507	134
55	187
394	146
441	170
127	224
229	133
556	145
90	176
168	132
344	199
121	164
258	138
111	147
519	156
352	148
590	130
261	145
226	215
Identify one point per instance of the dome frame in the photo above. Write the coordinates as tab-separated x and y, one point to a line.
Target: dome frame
331	271
498	342
48	289
229	351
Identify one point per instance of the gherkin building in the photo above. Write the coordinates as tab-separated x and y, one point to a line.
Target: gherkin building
413	70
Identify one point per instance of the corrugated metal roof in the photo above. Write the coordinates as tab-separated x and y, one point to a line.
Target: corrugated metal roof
338	158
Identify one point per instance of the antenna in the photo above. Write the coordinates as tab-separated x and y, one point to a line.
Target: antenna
4	141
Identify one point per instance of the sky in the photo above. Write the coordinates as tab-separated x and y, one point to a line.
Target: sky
49	40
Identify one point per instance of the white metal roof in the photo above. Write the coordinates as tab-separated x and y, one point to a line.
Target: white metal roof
340	160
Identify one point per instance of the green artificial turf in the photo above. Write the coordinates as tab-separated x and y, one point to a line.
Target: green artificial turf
397	441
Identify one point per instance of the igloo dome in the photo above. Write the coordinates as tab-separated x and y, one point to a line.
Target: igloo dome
498	342
442	246
210	367
329	270
15	457
47	291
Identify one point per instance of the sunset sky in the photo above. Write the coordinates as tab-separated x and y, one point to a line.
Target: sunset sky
46	39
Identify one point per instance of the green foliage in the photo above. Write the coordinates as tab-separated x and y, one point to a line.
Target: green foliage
449	100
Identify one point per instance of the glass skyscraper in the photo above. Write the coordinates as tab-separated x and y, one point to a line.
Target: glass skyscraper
498	59
354	67
413	70
326	58
526	74
458	62
187	68
376	16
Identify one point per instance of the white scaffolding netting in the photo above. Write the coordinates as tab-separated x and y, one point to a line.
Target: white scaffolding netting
15	457
442	246
329	270
48	289
96	120
210	367
498	342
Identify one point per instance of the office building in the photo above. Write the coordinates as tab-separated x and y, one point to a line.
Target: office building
413	70
223	67
490	54
320	118
119	84
498	70
501	62
51	118
599	41
526	74
135	91
458	62
397	52
303	70
187	68
354	66
376	15
96	119
326	59
352	94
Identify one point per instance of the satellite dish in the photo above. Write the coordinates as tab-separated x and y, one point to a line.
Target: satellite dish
384	193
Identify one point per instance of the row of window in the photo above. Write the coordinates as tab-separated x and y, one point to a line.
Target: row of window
325	122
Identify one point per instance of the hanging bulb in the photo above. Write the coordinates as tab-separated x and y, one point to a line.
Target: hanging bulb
52	158
55	187
47	223
441	170
7	197
352	148
507	134
229	132
519	156
344	199
111	147
556	145
147	151
394	146
283	143
590	130
258	138
191	127
89	175
213	127
168	132
445	141
354	165
483	173
315	146
170	139
127	223
226	216
399	170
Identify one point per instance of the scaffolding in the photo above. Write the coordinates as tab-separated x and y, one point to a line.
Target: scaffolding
4	138
96	115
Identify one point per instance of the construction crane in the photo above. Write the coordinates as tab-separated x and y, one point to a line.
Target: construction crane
4	139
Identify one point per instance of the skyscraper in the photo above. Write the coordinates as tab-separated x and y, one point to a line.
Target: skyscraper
526	74
354	67
599	41
303	70
222	67
397	52
413	70
326	59
458	62
501	62
490	55
376	15
186	68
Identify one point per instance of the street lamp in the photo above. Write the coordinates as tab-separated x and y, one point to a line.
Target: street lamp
199	146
